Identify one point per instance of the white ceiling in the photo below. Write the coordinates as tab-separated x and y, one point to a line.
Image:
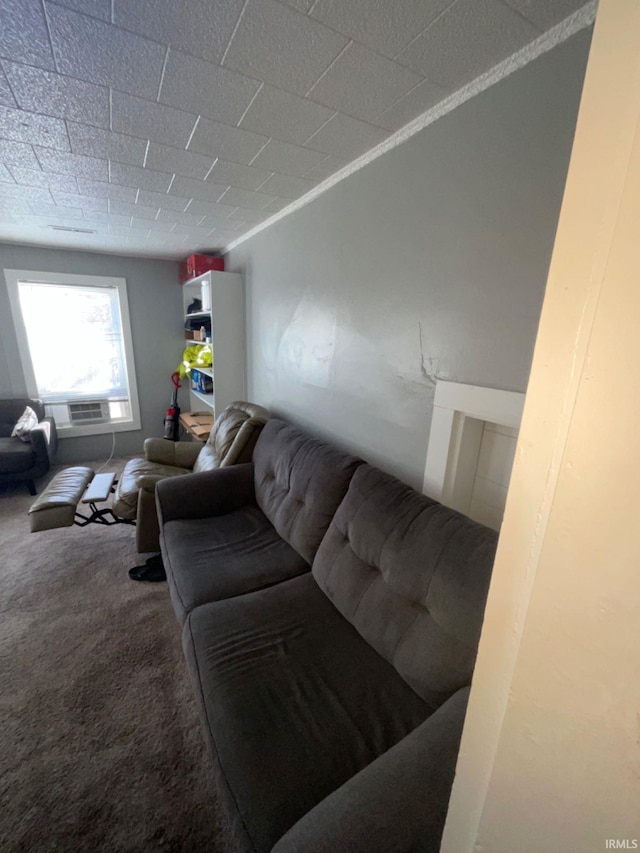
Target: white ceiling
171	126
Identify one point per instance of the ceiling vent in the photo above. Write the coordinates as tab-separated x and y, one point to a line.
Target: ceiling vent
89	412
73	230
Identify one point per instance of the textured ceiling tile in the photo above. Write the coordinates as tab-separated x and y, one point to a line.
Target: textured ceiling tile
170	202
237	175
210	210
186	163
23	33
300	5
59	210
117	220
96	8
101	53
146	179
140	211
26	194
140	225
546	13
286	158
38	178
50	93
243	214
195	232
284	116
14	205
18	154
19	126
46	220
104	143
154	225
157	122
347	137
96	217
101	189
286	186
228	143
5	175
363	84
197	27
422	98
325	168
6	96
86	202
279	45
192	219
200	87
72	164
467	40
273	207
383	26
203	190
245	198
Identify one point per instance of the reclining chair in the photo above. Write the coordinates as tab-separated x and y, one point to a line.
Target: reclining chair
231	442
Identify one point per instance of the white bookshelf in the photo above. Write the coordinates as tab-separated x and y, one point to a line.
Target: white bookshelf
225	296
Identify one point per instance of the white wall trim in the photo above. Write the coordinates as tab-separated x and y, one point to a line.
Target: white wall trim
459	414
580	20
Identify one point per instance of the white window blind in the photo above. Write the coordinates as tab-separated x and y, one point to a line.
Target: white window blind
75	341
76	348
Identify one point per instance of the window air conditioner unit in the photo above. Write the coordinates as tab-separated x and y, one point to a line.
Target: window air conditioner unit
89	412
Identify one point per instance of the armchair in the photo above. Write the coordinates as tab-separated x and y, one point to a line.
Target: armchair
25	461
231	441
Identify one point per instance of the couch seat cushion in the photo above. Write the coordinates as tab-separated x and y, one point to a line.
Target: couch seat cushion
15	456
295	702
208	559
125	501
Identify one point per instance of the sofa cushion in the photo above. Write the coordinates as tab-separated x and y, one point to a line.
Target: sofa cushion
125	500
398	802
16	456
294	703
412	576
209	559
299	483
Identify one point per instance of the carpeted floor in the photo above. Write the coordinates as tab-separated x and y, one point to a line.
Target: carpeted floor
100	744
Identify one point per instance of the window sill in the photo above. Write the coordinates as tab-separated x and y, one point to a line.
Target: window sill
67	431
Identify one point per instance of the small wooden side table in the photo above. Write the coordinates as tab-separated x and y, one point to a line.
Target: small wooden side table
197	424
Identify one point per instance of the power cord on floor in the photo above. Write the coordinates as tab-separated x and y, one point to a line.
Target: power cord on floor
113	447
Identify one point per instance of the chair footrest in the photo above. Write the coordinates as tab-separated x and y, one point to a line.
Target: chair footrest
99	488
56	506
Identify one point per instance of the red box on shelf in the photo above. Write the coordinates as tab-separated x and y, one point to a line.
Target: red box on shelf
195	265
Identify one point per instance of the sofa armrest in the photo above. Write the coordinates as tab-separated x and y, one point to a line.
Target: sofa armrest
398	802
181	454
206	493
148	482
44	438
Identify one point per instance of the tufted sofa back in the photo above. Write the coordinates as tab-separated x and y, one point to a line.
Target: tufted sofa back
412	576
299	482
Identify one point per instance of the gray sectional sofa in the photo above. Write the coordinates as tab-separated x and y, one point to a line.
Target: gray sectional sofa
330	618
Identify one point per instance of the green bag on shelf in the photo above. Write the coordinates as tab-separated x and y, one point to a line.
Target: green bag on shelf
200	355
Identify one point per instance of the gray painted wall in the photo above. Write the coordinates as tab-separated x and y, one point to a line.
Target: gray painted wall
155	306
428	263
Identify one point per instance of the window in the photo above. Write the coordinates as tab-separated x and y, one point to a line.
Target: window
75	345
